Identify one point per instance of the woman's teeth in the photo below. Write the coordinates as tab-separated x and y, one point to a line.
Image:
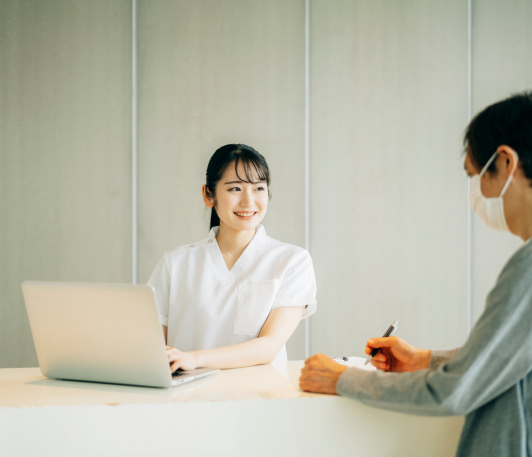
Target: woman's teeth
245	214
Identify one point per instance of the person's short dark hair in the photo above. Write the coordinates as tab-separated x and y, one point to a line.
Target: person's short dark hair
508	122
223	157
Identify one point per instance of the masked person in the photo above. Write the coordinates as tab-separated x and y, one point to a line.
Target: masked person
489	379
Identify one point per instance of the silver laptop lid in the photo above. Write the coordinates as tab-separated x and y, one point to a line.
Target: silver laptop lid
97	332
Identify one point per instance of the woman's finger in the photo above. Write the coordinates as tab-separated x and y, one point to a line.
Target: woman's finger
173	354
174	358
175	363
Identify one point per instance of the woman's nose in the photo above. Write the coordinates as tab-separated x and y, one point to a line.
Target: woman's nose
246	199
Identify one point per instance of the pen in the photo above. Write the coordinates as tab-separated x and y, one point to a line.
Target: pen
388	333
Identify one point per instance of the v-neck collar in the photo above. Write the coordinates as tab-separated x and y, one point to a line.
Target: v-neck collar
245	260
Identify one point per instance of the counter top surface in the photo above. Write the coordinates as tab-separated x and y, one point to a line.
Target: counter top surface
226	414
23	387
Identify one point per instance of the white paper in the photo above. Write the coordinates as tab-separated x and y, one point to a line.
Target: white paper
357	362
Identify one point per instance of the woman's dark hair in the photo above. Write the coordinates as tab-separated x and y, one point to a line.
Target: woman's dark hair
507	122
229	154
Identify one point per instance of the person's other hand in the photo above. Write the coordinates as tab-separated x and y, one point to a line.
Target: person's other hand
397	355
320	374
180	359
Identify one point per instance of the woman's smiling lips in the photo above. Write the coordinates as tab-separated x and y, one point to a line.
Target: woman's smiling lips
246	215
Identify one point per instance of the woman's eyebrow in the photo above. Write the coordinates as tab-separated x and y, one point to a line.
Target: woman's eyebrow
239	182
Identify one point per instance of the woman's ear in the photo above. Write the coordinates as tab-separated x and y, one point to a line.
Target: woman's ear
209	202
510	159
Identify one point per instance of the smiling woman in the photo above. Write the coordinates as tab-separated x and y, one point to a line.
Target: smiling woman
248	166
234	298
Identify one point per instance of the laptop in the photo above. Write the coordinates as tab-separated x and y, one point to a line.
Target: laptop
102	333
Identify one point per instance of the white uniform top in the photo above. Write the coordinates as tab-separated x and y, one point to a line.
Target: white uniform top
205	306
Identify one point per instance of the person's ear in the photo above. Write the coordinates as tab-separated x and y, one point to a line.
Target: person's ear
510	160
209	202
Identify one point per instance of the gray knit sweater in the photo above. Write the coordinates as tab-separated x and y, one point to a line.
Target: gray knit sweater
489	379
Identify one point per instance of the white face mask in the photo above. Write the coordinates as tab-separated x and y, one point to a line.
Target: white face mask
490	210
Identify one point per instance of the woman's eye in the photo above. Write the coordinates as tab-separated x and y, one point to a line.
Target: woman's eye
260	188
234	188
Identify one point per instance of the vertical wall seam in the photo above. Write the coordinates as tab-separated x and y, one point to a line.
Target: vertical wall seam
307	153
134	220
469	210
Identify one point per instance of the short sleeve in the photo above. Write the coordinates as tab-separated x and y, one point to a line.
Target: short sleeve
298	286
160	281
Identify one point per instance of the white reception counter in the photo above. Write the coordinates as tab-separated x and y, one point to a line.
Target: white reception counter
256	411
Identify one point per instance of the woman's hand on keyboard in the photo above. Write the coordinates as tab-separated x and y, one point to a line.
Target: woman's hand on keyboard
180	359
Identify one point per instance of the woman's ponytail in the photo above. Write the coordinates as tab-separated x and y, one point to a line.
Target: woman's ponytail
215	220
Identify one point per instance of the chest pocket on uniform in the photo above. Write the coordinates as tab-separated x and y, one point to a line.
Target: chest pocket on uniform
254	305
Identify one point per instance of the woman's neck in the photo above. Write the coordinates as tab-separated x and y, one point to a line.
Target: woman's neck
233	243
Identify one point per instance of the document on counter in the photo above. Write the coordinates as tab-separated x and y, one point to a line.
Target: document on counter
357	362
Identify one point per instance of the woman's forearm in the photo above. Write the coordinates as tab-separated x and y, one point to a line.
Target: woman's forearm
275	332
258	351
279	326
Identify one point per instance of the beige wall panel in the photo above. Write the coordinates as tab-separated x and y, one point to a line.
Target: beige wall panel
389	205
65	187
211	73
502	65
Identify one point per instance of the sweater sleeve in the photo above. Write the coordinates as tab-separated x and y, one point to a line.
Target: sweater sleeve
497	355
439	356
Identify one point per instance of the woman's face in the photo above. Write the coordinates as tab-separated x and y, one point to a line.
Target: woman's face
241	205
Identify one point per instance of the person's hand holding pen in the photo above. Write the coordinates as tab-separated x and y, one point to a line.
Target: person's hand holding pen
396	354
389	353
